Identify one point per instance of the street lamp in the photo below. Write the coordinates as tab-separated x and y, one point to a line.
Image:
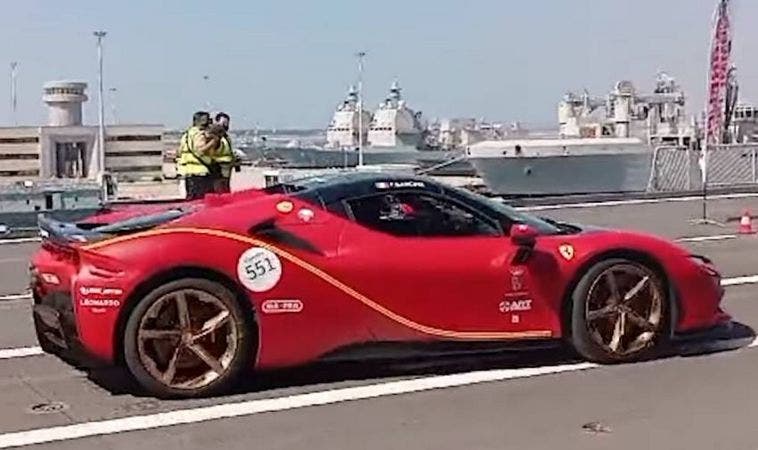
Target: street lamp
113	92
14	65
360	56
206	87
101	108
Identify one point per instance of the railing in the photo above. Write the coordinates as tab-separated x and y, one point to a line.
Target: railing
678	169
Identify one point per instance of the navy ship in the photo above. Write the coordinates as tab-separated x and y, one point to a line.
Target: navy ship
603	145
393	134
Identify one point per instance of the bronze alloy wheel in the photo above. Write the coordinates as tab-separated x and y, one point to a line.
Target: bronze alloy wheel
187	339
624	309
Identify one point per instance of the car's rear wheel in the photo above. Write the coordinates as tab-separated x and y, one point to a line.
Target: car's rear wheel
188	338
620	312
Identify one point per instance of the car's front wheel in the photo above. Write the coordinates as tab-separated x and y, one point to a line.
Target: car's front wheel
620	312
187	338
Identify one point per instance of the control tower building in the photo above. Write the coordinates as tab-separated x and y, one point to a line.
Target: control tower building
64	100
67	147
64	148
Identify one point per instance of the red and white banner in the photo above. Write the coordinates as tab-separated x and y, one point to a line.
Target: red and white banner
721	48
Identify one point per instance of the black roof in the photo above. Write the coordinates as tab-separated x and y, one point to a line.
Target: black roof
331	188
336	186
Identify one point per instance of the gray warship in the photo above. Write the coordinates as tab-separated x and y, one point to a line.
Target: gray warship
393	134
603	145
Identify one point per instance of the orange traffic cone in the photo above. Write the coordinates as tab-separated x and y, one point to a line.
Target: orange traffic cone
746	223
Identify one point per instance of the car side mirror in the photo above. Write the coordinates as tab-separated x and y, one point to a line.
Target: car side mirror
523	235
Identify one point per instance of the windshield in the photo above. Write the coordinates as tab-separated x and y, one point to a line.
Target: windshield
301	183
541	225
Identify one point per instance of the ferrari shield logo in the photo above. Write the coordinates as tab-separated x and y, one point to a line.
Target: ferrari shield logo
566	251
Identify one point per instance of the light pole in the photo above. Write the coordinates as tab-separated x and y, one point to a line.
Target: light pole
14	65
101	108
360	56
207	83
113	92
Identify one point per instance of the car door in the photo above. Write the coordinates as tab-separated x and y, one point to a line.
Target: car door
434	268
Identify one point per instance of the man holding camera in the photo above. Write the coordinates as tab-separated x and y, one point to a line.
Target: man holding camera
194	159
224	158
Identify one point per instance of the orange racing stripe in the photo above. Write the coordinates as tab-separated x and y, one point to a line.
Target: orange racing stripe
464	335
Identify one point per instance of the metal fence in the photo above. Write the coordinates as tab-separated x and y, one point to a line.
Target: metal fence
678	169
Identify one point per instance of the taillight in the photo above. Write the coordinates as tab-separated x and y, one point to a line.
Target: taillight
103	272
101	266
62	253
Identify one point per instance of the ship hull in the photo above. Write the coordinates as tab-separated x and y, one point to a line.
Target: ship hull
565	175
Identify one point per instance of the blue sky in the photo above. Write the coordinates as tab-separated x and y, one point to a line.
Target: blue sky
287	63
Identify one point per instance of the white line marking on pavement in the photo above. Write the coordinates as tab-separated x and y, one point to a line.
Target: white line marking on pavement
22	352
634	202
19	240
248	408
253	407
15	297
748	279
718	237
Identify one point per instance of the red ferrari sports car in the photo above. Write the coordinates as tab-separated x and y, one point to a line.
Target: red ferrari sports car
190	296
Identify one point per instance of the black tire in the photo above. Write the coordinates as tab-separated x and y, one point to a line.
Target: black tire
45	344
239	361
580	336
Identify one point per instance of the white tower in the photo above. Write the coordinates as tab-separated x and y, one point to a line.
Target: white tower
64	100
622	107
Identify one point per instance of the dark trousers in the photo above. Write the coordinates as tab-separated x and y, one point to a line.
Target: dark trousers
221	185
197	186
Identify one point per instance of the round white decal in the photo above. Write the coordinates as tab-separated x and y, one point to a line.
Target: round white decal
259	269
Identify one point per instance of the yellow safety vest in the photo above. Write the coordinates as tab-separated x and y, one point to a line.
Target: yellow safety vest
188	164
225	157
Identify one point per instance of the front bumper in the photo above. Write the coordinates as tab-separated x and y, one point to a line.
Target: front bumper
724	336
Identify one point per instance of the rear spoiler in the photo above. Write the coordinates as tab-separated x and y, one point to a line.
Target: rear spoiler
63	232
69	233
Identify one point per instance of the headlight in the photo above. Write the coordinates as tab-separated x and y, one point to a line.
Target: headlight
705	264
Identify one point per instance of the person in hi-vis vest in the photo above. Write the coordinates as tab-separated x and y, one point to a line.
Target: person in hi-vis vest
195	156
225	157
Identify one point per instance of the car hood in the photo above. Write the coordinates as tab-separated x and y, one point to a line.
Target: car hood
619	237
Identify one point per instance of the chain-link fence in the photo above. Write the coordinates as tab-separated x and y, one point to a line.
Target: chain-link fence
678	169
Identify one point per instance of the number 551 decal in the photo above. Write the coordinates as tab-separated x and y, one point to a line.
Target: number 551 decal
259	269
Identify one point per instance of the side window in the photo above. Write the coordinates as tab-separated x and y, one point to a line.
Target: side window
337	208
421	215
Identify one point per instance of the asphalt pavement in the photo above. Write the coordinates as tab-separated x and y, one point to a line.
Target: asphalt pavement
534	400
